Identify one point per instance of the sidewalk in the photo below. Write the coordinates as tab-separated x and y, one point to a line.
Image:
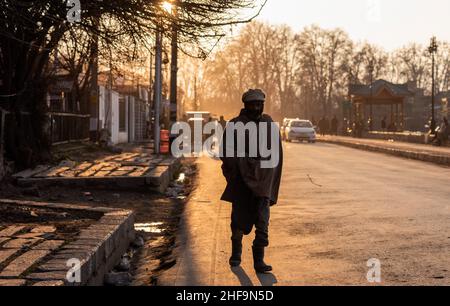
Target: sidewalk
422	152
203	240
126	170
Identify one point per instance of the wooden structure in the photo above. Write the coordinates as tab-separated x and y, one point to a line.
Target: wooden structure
366	99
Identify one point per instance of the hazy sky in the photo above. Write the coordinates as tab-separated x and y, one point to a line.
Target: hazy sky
388	23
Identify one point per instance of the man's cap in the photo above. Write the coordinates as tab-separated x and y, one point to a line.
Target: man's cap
254	95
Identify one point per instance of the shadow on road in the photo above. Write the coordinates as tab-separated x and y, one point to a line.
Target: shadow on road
244	280
267	280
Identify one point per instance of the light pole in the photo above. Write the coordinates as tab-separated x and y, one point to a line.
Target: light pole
371	68
174	68
168	7
158	87
433	50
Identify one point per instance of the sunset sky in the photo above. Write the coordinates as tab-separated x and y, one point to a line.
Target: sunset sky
388	23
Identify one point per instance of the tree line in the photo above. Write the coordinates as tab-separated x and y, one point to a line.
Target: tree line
304	74
37	40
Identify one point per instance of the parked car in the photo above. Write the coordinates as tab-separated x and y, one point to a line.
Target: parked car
300	130
283	127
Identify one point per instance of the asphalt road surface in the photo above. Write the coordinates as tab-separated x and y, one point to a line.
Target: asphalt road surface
338	208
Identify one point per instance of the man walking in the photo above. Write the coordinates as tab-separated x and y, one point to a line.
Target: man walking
251	188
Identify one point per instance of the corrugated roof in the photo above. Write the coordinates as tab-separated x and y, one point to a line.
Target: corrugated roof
399	90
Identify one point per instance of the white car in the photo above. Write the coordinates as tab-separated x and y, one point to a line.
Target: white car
301	130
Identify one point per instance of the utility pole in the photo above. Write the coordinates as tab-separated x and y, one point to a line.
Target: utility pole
158	88
433	50
371	69
174	70
94	101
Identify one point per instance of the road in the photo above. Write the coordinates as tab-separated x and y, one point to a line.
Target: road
338	208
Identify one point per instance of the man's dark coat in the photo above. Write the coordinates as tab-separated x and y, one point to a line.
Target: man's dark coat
247	181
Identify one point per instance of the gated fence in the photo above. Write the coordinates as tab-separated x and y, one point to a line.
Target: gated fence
68	127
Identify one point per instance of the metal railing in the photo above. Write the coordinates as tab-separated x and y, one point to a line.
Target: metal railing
68	127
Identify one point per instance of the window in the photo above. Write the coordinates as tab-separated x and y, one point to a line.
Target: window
301	124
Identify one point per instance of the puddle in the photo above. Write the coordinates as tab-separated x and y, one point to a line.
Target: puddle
153	227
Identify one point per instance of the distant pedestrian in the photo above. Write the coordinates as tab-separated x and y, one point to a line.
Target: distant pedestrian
392	127
441	137
334	125
322	126
383	124
327	126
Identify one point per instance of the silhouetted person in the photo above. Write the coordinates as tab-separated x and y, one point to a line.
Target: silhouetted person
383	124
392	127
441	137
251	189
322	126
334	125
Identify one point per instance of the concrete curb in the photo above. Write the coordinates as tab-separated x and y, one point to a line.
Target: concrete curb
440	159
98	248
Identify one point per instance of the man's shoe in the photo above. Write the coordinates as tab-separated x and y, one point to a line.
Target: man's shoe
236	253
258	260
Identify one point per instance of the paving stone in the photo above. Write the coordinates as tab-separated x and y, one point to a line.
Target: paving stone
49	245
92	170
19	243
12	282
6	254
54	265
69	173
139	172
83	166
85	242
52	172
48	276
127	168
23	263
51	283
11	230
102	173
44	229
119	173
29	236
31	172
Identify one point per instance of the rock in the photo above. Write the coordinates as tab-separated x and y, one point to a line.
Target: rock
138	242
117	279
124	264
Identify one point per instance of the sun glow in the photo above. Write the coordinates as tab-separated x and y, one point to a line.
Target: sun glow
167	6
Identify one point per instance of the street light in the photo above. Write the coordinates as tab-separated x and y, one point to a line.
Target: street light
433	50
167	6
